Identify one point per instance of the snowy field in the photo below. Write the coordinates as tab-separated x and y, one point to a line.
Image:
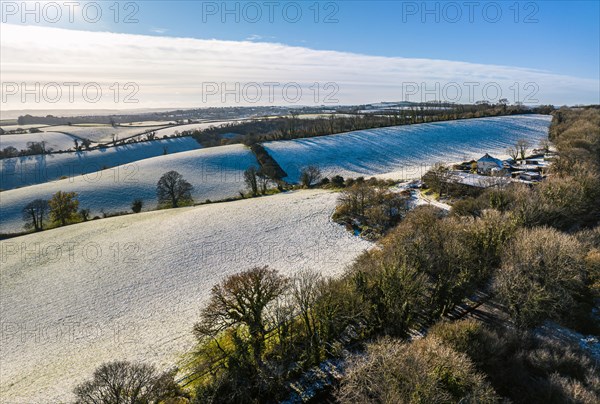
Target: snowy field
149	123
192	126
55	141
131	287
406	151
29	170
101	133
215	173
14	127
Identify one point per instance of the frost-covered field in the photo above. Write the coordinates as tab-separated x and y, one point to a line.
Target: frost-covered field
216	173
29	170
407	151
13	127
148	123
131	287
55	141
101	133
192	126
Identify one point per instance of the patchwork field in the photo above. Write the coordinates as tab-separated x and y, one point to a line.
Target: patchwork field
131	287
216	173
29	170
406	151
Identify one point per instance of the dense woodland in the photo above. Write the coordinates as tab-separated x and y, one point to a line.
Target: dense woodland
534	251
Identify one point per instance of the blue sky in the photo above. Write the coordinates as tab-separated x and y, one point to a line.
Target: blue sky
560	38
565	39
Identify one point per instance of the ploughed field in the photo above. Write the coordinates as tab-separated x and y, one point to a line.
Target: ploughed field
406	152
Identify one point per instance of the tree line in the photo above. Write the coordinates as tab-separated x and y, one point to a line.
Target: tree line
172	191
294	127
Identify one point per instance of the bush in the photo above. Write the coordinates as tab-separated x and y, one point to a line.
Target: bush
370	207
136	205
424	371
542	274
467	207
337	181
85	214
522	366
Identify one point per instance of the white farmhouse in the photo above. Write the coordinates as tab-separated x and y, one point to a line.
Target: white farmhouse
488	165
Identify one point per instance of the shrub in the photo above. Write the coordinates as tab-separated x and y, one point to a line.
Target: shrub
136	205
85	214
370	207
522	366
337	181
425	371
542	272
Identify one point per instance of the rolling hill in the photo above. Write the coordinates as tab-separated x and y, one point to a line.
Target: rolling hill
215	173
131	287
406	151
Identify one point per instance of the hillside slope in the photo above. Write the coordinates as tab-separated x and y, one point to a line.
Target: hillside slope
131	287
406	151
216	173
30	170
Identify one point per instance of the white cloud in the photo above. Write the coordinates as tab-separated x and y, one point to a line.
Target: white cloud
159	30
256	37
172	72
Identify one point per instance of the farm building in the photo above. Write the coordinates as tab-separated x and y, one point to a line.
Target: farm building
488	165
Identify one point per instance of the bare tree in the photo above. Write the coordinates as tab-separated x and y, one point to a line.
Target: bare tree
242	300
172	188
305	292
542	270
309	176
34	213
522	145
250	177
126	382
545	145
356	199
263	181
438	177
513	152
